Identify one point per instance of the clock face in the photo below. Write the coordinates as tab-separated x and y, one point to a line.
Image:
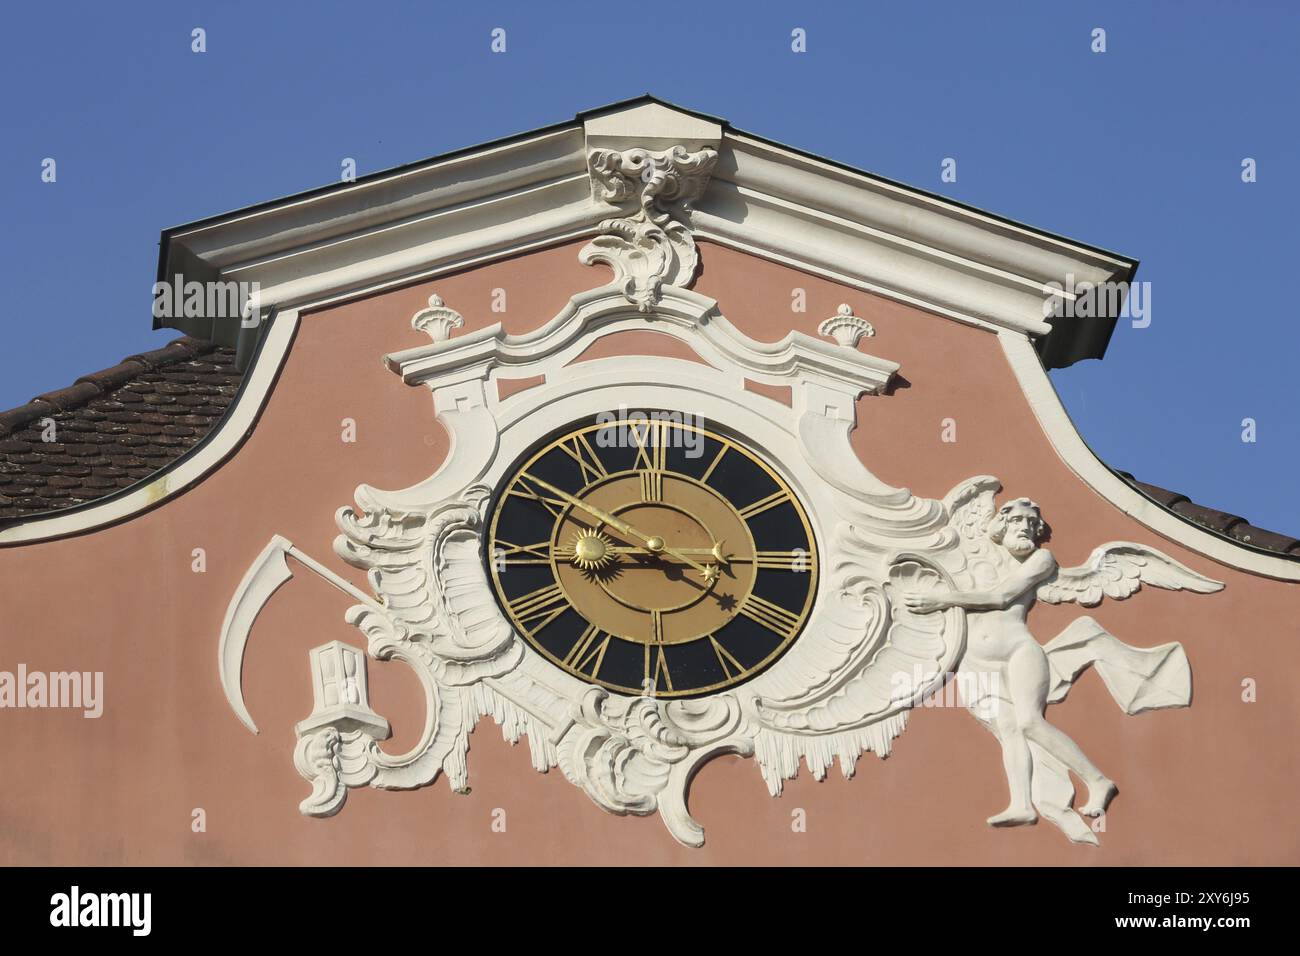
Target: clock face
652	556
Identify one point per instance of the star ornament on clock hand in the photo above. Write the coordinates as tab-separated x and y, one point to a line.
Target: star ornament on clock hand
721	557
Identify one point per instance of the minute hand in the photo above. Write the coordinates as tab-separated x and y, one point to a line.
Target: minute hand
618	524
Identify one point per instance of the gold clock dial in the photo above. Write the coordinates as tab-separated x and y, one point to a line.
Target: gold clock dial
652	556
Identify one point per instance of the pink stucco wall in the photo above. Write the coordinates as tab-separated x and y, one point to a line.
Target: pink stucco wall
1211	784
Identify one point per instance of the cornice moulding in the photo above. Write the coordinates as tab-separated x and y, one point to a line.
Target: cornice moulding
680	313
399	252
505	198
893	209
440	184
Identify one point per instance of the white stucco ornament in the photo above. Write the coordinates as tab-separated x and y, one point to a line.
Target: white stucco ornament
652	247
912	592
845	327
437	321
1007	678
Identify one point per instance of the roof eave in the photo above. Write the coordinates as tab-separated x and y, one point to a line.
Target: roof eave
500	198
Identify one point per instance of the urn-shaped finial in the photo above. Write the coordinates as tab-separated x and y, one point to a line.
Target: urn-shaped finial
845	327
437	321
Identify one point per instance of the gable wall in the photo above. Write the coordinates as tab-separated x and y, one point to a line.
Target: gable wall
1208	784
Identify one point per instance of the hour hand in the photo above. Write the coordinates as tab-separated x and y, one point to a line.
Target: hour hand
656	548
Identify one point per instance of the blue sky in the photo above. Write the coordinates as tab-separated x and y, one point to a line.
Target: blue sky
1137	150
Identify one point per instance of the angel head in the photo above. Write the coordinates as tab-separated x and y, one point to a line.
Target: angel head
1019	527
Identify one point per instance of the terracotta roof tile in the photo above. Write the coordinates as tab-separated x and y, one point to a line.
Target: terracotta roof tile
1162	495
1269	540
70	397
112	428
111	378
1219	521
1229	525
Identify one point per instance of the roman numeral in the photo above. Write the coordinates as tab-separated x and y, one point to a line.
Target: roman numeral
539	553
797	560
661	667
545	604
717	459
772	616
730	666
521	489
586	650
778	497
651	458
657	642
651	445
652	486
580	450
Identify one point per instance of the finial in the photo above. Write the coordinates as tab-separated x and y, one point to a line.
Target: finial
437	321
845	327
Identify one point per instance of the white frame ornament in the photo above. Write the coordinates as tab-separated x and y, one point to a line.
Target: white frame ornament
843	688
637	755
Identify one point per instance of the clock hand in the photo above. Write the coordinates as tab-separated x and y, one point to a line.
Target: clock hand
653	543
709	571
716	552
615	522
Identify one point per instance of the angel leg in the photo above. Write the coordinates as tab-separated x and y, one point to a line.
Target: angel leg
1029	679
1018	764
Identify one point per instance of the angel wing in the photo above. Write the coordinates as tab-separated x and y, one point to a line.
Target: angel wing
970	507
1117	570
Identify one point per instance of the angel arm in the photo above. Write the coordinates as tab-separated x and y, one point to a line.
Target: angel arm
1035	569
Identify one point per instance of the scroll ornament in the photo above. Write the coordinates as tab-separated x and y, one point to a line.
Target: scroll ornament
652	246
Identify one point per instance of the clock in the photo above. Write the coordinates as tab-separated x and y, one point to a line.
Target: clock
651	555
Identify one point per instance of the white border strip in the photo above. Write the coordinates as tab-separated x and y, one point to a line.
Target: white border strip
1081	460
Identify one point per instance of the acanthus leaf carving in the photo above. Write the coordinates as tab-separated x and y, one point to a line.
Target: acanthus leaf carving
653	246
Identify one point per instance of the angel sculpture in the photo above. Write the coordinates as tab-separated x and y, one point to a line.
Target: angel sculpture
1015	677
